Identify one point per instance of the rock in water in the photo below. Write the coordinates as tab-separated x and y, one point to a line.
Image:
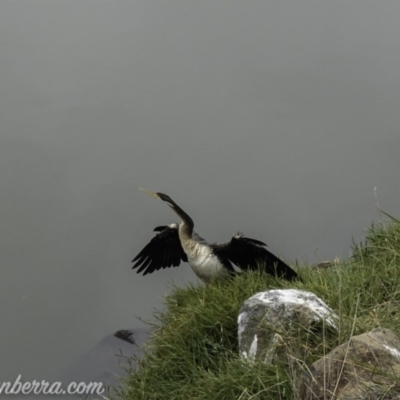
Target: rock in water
107	361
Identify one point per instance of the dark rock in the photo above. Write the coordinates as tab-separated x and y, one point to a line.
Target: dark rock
326	264
125	334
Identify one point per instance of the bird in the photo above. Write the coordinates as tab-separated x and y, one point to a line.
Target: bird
175	243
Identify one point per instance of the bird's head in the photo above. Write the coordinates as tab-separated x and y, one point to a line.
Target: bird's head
161	196
182	215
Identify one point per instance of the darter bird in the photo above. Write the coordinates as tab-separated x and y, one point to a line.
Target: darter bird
175	243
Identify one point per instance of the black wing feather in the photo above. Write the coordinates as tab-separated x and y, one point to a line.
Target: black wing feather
163	251
248	253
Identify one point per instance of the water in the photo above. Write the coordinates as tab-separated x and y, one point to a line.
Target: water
276	119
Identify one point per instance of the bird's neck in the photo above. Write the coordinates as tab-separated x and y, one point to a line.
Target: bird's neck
187	225
189	244
185	231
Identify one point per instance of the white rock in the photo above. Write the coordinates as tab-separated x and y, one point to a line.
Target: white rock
278	308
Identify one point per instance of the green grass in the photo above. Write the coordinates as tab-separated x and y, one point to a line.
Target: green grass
193	353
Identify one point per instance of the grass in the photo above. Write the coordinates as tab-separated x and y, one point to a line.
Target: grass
193	353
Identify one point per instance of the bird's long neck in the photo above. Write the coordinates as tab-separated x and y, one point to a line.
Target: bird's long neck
187	225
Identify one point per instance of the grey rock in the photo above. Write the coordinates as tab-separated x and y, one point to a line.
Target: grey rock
366	367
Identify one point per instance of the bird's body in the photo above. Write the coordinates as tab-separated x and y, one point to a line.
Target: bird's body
178	242
206	265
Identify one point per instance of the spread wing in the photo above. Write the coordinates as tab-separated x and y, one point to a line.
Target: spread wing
163	251
248	253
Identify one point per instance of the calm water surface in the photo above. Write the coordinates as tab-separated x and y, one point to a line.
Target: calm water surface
276	119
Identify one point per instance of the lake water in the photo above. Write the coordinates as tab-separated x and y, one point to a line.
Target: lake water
279	119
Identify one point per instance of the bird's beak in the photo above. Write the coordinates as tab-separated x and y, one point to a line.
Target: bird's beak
150	193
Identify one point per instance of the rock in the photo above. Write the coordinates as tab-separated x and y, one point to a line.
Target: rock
125	334
326	264
269	320
364	368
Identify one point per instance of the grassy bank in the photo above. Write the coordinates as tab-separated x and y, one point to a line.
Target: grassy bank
194	351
